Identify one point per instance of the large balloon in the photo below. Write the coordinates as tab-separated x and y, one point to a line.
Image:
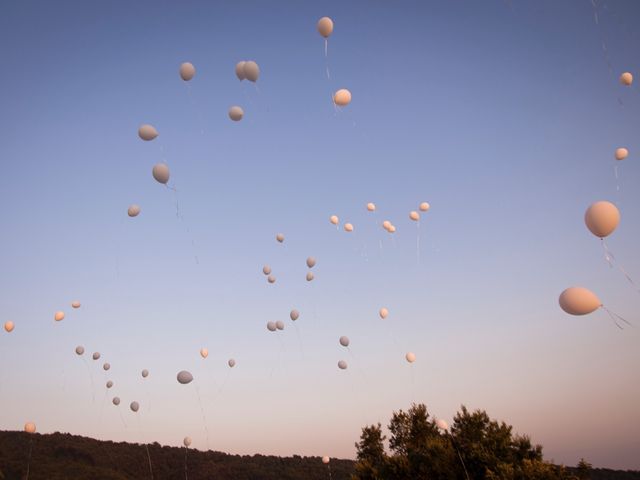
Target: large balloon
116	401
59	316
135	406
204	353
251	70
161	172
383	313
147	132
310	276
342	97
79	350
579	301
311	262
184	377
334	219
280	325
240	70
325	460
371	207
325	26
187	71
109	384
602	218
294	315
413	215
30	427
133	210
236	113
9	326
231	363
342	365
280	237
441	424
626	79
271	326
187	441
424	206
145	373
96	355
106	366
266	269
621	153
348	227
411	357
75	304
344	341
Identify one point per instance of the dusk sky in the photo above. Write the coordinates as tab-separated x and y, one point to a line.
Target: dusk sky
502	114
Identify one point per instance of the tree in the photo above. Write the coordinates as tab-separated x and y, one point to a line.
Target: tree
371	458
583	469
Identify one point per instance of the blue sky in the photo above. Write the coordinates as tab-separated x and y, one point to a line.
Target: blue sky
504	116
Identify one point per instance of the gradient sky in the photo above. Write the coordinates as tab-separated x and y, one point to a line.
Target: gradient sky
502	114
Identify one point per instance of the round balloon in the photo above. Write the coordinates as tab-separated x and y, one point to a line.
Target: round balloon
59	316
79	350
280	325
240	70
271	279
280	237
342	365
294	315
116	401
251	71
135	406
271	326
30	427
75	304
348	227
133	210
311	262
9	326
325	26
184	377
579	301
386	224
187	71
106	366
621	153
96	355
334	219
424	206
109	384
392	229
415	216
204	353
342	97
145	373
325	460
161	173
411	357
187	441
266	269
602	218
310	276
441	424
344	341
371	207
231	363
147	132
383	313
236	113
626	79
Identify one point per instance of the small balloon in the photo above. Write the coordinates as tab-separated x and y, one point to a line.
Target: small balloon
251	70
236	113
325	26
294	315
271	326
344	341
147	132
184	377
30	427
342	365
59	316
280	325
411	357
161	173
133	210
79	350
204	353
135	406
348	227
187	442
311	262
231	363
280	237
116	401
602	218
383	313
271	279
424	206
441	424
310	276
187	71
371	207
415	216
626	79
325	460
75	304
106	366
386	224
96	355
9	326
266	269
334	219
145	373
240	70
579	301
342	97
109	384
392	229
621	153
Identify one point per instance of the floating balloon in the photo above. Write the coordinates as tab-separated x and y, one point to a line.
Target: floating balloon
251	70
342	365
342	97
295	314
204	353
109	384
310	276
187	71
280	325
79	350
236	113
441	424
325	460
411	357
415	216
371	207
147	132
602	218
133	210
145	373
621	153
579	301
266	269
334	219
135	406
106	366
280	237
271	279
383	313
9	326
386	224
626	79
59	316
424	206
30	427
116	401
311	262
240	70
325	26
96	355
392	229
187	442
348	227
161	173
75	304
271	326
344	341
231	363
184	377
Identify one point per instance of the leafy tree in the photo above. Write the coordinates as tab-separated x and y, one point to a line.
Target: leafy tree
372	459
583	469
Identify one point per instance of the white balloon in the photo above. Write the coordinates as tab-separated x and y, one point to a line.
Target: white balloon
59	316
271	326
145	373
116	401
621	153
96	355
441	424
79	350
109	384
348	227
231	363
333	219
240	70
371	207
133	210
251	70
310	276
30	427
161	173
9	326
344	341
187	442
413	215
135	406
579	301
342	97
325	460
294	315
204	353
383	313
266	269
147	132
626	79
424	206
280	325
187	71
184	377
311	262
411	357
75	304
106	366
280	237
236	113
271	279
342	365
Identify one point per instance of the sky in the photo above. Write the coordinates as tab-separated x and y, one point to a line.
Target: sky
503	115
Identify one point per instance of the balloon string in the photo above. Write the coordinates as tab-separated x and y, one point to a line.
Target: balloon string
204	419
605	52
329	468
418	242
615	317
459	456
186	449
611	260
326	58
29	456
145	446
